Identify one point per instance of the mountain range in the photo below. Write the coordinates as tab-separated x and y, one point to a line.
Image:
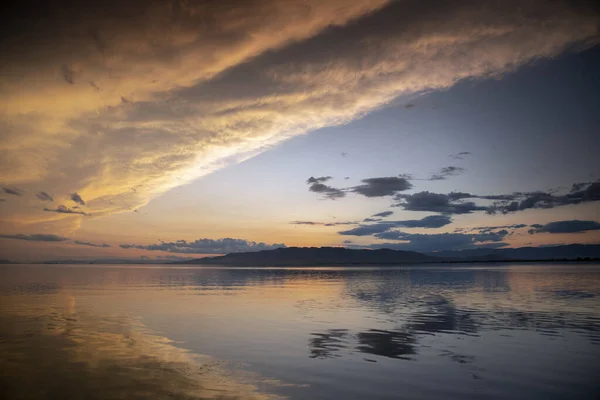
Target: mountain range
314	256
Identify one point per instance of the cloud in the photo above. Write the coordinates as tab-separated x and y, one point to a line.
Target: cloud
439	241
67	73
36	237
44	196
445	172
436	202
580	193
371	220
383	214
323	223
379	187
572	226
317	186
207	246
432	221
460	156
62	209
90	244
76	198
12	190
209	85
2	199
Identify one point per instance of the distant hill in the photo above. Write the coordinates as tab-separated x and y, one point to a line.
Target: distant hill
569	252
315	256
305	256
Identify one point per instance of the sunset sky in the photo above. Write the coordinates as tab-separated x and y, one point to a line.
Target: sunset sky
167	129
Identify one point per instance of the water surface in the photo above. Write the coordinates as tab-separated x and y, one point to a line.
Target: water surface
528	331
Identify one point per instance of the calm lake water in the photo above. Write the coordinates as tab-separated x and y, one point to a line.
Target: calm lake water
425	332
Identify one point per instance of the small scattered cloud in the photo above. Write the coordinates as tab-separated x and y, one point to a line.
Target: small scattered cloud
44	196
13	191
440	241
35	237
446	172
580	193
380	187
323	223
317	185
94	86
460	156
383	214
76	198
90	244
62	209
432	221
436	202
569	226
409	105
207	246
67	74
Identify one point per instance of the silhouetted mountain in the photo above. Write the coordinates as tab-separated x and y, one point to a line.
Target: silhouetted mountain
568	252
305	256
6	262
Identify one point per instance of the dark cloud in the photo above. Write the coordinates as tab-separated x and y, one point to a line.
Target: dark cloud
580	193
439	241
372	219
93	85
409	105
68	74
445	172
324	223
44	196
433	221
90	244
385	186
383	214
76	198
1	200
207	246
320	179
487	229
436	202
347	241
317	185
36	237
571	226
12	190
62	209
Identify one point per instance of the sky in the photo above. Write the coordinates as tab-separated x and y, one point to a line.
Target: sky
169	129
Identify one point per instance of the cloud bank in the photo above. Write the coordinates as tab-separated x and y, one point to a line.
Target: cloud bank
151	95
207	246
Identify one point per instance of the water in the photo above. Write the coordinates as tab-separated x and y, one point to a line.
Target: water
425	332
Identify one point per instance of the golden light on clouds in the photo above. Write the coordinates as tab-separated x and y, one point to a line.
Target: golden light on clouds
121	106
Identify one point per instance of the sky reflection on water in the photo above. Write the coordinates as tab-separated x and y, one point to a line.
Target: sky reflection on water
493	331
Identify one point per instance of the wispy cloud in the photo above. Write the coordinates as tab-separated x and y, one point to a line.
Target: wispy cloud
36	237
82	243
432	221
44	196
446	172
186	115
571	226
12	190
62	209
207	246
